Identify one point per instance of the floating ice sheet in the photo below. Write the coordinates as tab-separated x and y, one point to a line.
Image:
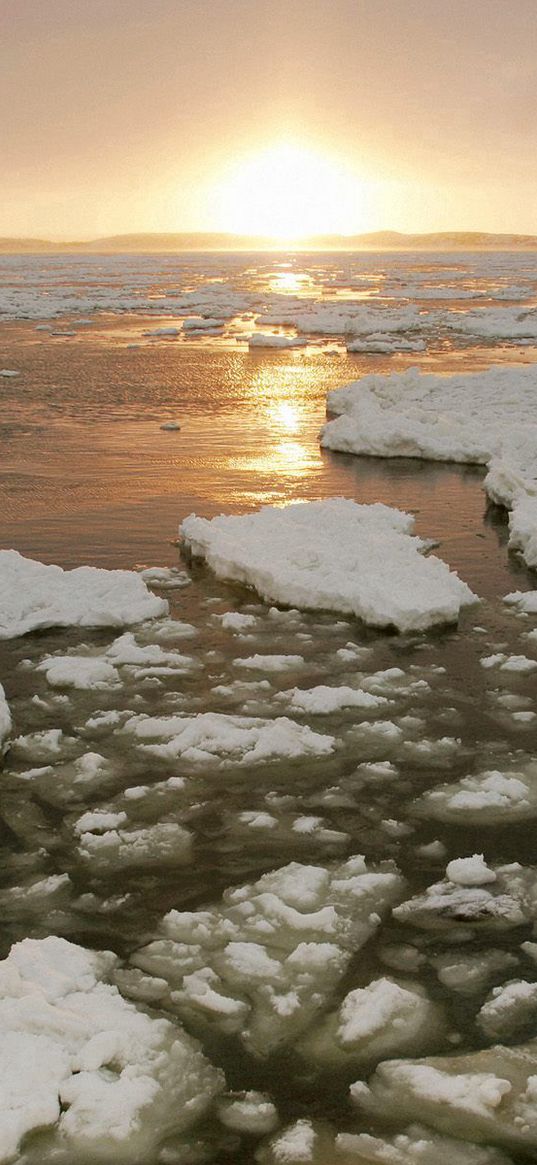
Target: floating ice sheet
33	596
487	418
333	555
463	417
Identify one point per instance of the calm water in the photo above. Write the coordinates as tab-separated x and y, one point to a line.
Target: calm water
88	476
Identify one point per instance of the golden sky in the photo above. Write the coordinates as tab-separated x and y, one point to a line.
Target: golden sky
267	116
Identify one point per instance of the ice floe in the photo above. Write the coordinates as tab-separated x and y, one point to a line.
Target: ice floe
524	602
487	418
373	1022
90	671
508	1010
324	700
110	1080
383	342
333	555
485	1096
248	1112
107	843
215	738
485	798
462	417
510	900
165	577
270	663
33	596
265	962
81	672
471	973
267	340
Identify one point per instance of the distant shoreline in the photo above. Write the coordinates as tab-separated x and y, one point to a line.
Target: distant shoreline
389	242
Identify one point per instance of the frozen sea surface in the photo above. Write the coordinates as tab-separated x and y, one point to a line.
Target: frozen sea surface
193	792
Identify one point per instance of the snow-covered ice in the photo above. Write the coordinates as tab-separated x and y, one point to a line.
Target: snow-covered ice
33	596
486	418
524	602
324	700
508	901
383	1019
81	672
485	1096
462	417
109	1079
333	555
269	958
268	340
107	844
508	1010
490	797
215	738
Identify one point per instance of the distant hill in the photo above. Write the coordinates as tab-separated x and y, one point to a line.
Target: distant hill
213	241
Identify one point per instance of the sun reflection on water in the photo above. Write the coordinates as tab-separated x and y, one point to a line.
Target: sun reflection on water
284	415
290	282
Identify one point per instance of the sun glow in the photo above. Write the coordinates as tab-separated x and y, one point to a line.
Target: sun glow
290	191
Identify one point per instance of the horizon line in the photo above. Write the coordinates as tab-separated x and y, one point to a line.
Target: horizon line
173	241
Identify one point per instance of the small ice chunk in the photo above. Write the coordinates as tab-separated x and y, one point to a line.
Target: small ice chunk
212	737
84	673
270	662
165	577
248	1112
236	621
524	601
508	1010
470	871
324	700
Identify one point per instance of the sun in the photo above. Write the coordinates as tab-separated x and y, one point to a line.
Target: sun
290	191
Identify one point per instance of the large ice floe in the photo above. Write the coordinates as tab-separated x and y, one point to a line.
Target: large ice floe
462	417
485	1096
486	418
333	555
33	596
108	1080
263	963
